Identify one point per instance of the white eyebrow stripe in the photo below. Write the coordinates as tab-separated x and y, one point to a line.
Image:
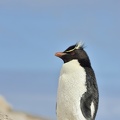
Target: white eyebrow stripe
78	45
70	50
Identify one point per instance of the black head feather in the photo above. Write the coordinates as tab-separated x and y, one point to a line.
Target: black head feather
76	52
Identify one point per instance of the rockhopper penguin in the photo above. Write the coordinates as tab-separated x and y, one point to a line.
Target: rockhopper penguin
77	97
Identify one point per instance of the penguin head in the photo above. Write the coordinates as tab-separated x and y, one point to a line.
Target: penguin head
75	52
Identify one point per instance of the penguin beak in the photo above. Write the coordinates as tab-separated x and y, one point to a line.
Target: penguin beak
60	54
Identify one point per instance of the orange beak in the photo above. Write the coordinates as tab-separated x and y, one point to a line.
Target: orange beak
59	54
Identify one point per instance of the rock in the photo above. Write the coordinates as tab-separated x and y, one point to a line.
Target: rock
4	117
4	105
7	113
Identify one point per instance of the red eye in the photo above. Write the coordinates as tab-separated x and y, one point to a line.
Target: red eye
72	53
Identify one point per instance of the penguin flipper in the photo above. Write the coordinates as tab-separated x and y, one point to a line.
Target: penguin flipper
90	97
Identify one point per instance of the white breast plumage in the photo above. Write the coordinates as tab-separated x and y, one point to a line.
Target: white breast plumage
72	85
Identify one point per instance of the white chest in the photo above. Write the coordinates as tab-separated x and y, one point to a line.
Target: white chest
70	90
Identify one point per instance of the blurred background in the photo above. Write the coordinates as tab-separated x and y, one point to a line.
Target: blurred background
31	31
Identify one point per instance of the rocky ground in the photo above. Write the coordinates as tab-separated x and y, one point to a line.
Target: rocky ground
7	113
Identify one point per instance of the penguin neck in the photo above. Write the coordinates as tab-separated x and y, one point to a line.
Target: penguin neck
85	63
71	66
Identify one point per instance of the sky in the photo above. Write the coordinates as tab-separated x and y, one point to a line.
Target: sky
32	31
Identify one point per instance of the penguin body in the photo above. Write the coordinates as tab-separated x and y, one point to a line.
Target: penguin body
70	91
77	97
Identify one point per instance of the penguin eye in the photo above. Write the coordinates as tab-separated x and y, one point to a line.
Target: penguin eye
72	53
